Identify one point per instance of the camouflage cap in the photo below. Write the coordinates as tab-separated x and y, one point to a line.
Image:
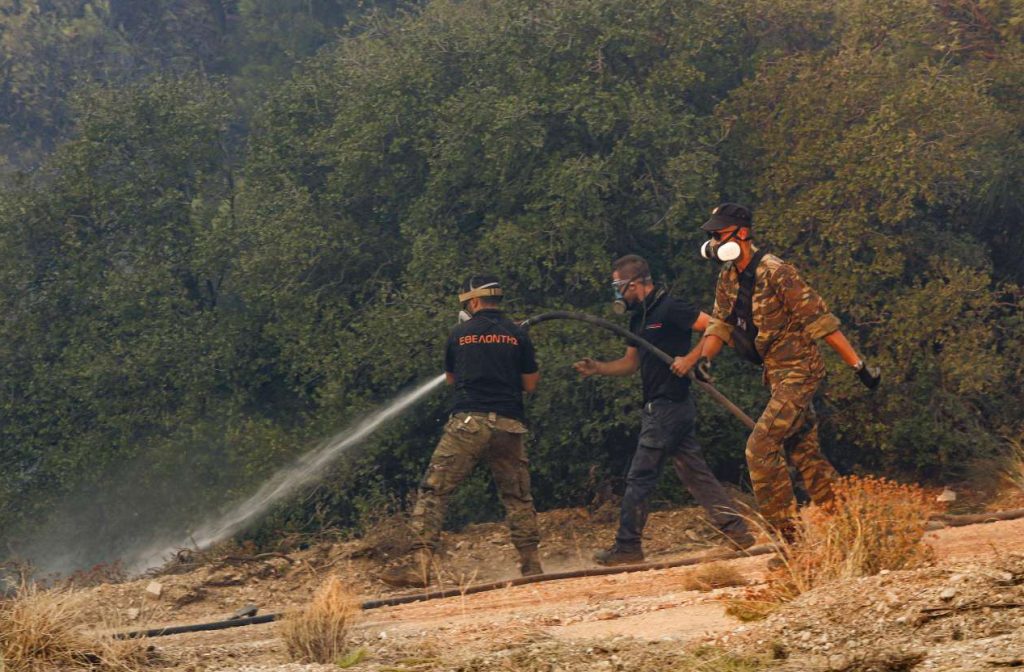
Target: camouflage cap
728	214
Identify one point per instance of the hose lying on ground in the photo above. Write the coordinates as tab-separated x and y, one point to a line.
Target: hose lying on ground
455	592
936	523
373	604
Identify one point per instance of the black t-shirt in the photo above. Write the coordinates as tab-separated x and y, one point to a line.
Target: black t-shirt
488	356
668	324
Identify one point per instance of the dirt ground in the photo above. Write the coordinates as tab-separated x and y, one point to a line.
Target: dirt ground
963	613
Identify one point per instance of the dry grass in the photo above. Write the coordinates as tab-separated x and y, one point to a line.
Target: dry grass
385	533
711	576
1013	463
873	524
319	633
47	630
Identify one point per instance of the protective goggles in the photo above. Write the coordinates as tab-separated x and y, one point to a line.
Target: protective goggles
620	286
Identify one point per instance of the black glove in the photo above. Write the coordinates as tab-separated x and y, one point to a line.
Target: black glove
871	376
702	371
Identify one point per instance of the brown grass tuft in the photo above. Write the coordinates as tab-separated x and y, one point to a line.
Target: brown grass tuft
385	532
758	603
714	575
1013	461
873	524
319	633
47	630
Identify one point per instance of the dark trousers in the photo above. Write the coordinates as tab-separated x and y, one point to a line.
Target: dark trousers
668	429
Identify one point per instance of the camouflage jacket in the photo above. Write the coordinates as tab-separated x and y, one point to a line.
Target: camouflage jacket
789	317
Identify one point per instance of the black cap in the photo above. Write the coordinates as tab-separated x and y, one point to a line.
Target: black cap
728	214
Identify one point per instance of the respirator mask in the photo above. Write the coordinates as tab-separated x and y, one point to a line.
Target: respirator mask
477	287
619	304
722	250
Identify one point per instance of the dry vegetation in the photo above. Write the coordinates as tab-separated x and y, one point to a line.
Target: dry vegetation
320	632
1013	468
873	524
46	630
714	575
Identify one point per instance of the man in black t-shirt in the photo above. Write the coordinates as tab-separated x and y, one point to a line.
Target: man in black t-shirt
489	360
668	424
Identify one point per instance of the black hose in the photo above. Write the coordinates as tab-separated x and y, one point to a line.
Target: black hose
455	592
575	574
646	345
199	627
937	522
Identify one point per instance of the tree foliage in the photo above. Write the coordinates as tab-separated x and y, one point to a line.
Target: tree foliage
880	164
250	231
50	49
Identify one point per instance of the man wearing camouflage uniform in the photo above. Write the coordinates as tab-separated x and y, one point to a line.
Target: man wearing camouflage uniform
489	360
773	318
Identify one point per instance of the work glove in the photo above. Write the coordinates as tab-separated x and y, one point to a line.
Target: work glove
871	376
702	371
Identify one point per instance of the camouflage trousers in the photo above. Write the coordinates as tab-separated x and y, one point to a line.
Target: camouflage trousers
469	438
788	426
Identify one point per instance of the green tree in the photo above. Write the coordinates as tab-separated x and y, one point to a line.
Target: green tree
113	265
877	161
49	49
535	142
194	294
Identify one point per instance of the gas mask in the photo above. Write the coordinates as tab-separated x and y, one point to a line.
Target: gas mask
722	250
471	290
619	304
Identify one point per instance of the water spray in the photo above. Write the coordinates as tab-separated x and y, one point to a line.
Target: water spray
309	468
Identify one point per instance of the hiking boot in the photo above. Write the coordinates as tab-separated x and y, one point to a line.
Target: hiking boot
413	573
617	555
740	541
529	561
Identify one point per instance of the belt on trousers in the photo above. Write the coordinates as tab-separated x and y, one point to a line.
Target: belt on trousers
490	415
649	405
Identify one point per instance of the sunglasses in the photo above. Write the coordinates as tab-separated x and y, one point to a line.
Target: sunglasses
720	236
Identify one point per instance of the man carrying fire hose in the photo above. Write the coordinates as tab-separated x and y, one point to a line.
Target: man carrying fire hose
770	316
489	360
668	423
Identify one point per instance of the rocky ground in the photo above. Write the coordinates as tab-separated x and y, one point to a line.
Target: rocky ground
963	613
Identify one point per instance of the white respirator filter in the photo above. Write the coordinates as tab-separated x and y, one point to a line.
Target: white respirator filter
728	251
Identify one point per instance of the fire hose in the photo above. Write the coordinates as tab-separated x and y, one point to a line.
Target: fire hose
402	599
632	338
935	523
458	592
